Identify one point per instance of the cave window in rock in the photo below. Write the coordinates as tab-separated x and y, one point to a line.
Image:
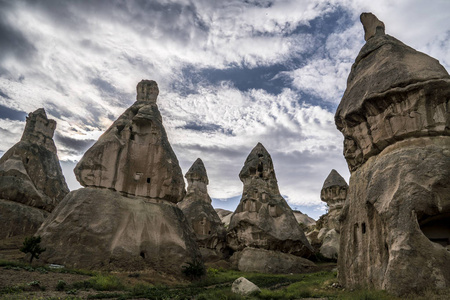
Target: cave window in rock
142	254
260	169
363	228
148	179
436	228
27	160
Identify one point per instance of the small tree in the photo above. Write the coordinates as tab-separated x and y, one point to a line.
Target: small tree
31	245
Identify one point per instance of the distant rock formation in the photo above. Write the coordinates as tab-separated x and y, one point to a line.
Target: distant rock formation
224	215
395	118
263	219
31	180
196	206
267	261
303	218
334	192
119	160
125	217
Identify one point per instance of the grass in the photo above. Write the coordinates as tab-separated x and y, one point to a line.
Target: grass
216	284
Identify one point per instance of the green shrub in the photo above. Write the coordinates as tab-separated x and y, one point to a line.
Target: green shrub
31	245
61	285
106	283
194	269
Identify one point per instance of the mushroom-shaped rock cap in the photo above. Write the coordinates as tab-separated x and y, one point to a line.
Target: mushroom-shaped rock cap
258	165
384	63
147	90
334	179
372	25
197	172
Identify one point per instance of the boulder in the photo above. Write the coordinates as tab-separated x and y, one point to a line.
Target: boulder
263	219
273	262
126	217
31	179
134	156
330	244
396	124
196	206
244	287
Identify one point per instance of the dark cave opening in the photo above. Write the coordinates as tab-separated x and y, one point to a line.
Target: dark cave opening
436	228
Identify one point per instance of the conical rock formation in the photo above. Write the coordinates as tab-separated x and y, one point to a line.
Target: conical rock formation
31	180
134	156
334	192
263	219
395	118
126	217
196	206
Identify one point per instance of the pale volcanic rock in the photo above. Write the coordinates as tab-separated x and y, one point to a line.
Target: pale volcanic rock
304	218
333	193
196	206
395	118
134	155
224	215
126	217
244	287
263	219
273	262
97	228
31	179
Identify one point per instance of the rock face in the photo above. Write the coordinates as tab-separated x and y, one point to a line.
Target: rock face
304	218
394	116
263	219
224	215
266	261
126	217
334	192
134	156
31	180
196	206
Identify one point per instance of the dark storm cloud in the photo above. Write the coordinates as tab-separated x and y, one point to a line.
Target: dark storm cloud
11	114
12	40
243	79
115	97
74	144
206	128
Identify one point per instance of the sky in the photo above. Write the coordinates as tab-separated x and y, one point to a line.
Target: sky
230	73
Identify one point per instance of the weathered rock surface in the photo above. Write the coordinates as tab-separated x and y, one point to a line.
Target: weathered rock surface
196	206
263	219
99	228
244	287
334	192
133	224
31	180
267	261
394	115
134	155
224	215
304	218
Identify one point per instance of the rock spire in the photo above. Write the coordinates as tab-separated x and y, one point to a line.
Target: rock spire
125	217
196	206
31	179
395	119
263	219
134	156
